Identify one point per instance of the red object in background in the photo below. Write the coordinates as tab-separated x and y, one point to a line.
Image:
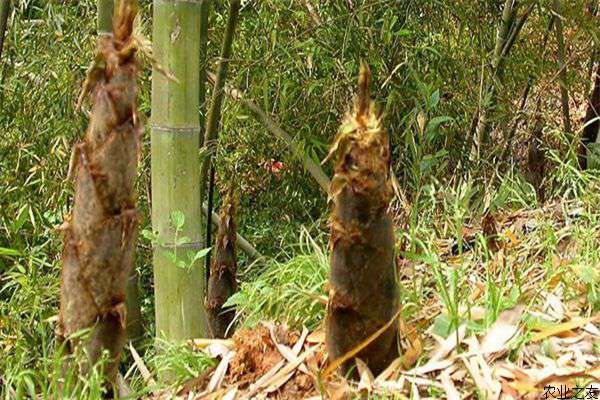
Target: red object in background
275	167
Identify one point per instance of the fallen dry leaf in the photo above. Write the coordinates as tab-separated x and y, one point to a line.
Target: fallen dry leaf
449	388
139	363
502	331
366	376
446	346
561	328
412	353
219	375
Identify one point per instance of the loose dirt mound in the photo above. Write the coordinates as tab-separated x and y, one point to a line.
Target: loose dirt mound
256	354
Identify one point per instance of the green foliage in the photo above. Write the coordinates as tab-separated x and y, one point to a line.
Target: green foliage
291	291
179	362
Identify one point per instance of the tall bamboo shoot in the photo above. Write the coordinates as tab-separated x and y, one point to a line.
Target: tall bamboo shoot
222	283
363	294
101	232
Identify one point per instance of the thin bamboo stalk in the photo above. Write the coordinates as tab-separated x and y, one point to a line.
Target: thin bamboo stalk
105	16
504	31
175	169
517	28
214	115
591	123
242	243
4	12
563	78
261	116
507	25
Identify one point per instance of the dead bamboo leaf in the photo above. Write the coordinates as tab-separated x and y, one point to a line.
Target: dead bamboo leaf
475	373
592	329
287	353
412	353
562	328
431	366
502	331
219	375
422	381
391	370
415	392
317	337
366	376
511	236
397	386
231	394
446	346
123	387
200	344
449	388
281	377
146	375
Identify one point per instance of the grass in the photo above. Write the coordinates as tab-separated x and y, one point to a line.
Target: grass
291	291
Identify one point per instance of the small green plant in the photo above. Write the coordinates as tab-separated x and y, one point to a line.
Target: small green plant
179	361
185	261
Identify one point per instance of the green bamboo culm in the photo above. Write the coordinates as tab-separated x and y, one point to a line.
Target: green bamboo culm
482	132
176	169
214	115
105	16
4	11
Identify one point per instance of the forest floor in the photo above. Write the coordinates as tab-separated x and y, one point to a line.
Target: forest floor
512	317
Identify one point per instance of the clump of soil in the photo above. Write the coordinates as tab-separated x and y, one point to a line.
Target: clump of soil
256	353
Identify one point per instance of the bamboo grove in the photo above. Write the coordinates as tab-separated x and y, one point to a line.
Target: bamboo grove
200	183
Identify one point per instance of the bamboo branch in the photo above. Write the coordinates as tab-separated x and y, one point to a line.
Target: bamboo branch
261	116
518	27
214	115
4	11
526	92
564	88
242	243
